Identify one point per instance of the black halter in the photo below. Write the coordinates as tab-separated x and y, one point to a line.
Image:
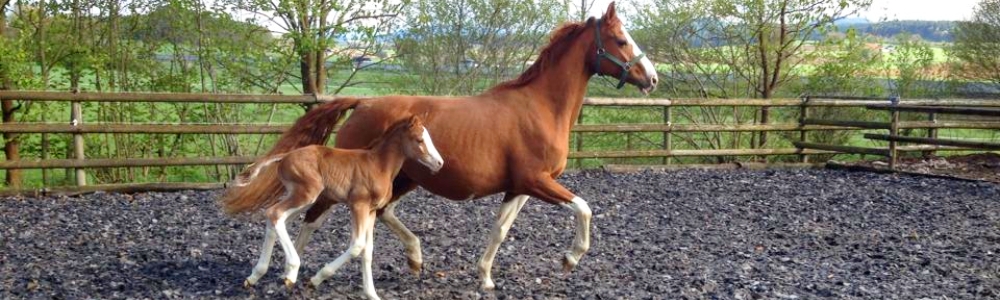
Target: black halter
601	53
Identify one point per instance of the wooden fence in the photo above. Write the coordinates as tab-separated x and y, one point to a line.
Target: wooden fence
78	127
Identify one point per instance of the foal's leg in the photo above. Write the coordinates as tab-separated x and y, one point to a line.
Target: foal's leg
299	197
549	190
511	205
366	264
361	216
265	257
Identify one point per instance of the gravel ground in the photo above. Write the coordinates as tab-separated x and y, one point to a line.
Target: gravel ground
775	234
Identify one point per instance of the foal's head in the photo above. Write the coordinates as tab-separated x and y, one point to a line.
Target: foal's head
618	55
416	143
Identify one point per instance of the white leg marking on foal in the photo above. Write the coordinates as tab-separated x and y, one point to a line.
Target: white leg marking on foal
292	261
265	256
366	263
505	218
354	250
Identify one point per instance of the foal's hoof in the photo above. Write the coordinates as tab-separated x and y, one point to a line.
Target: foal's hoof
487	286
416	267
289	283
247	284
568	263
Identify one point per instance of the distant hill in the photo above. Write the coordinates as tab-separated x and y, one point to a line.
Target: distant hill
935	31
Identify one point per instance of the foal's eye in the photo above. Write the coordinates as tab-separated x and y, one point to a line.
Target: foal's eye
420	140
622	43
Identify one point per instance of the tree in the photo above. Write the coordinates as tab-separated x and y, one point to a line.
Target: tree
7	71
747	48
976	43
461	46
314	25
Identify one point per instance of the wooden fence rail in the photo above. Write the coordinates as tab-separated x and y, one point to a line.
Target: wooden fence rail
79	127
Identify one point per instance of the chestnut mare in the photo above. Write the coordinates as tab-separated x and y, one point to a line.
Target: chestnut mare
360	179
513	138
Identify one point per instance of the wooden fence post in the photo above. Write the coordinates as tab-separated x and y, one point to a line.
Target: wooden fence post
579	140
803	134
667	145
931	133
893	130
76	116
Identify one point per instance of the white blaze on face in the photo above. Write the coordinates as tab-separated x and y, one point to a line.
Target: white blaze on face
647	65
433	152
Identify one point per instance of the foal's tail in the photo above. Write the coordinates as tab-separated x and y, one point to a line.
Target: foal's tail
259	187
251	172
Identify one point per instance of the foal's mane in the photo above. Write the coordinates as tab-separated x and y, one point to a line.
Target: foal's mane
393	130
559	40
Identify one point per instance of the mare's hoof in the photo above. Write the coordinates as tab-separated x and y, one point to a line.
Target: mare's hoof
289	283
568	264
488	287
247	284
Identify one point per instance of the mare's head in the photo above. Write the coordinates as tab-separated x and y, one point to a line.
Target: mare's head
416	143
615	54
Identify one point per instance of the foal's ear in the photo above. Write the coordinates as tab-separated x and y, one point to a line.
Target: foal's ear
413	121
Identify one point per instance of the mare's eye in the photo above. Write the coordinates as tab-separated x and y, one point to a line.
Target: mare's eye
420	140
622	43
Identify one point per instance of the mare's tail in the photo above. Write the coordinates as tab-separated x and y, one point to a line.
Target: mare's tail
313	128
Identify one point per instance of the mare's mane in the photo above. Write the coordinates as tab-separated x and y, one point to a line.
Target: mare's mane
560	39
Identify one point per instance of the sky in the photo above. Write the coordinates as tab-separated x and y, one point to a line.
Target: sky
933	10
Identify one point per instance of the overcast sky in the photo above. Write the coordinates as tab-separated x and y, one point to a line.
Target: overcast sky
937	10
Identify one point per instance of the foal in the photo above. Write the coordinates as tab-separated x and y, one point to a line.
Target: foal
361	179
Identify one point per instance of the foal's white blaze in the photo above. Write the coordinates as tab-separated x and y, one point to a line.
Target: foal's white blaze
433	152
647	65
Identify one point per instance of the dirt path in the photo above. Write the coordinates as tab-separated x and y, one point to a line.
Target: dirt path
788	234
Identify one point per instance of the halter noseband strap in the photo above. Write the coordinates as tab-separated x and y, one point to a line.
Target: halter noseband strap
601	53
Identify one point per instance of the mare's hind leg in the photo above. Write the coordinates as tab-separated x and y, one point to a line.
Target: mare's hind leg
299	197
511	205
550	191
414	255
362	218
314	219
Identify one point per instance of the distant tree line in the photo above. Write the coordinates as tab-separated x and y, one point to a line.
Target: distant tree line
932	31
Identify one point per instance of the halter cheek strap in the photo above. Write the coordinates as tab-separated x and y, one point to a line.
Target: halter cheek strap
602	53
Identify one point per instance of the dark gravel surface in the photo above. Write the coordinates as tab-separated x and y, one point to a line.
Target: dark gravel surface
788	234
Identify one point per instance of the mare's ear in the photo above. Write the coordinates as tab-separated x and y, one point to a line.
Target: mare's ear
610	13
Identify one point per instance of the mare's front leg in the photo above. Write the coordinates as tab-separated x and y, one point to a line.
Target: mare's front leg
549	190
314	219
509	209
414	255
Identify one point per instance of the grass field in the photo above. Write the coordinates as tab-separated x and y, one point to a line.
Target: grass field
377	83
